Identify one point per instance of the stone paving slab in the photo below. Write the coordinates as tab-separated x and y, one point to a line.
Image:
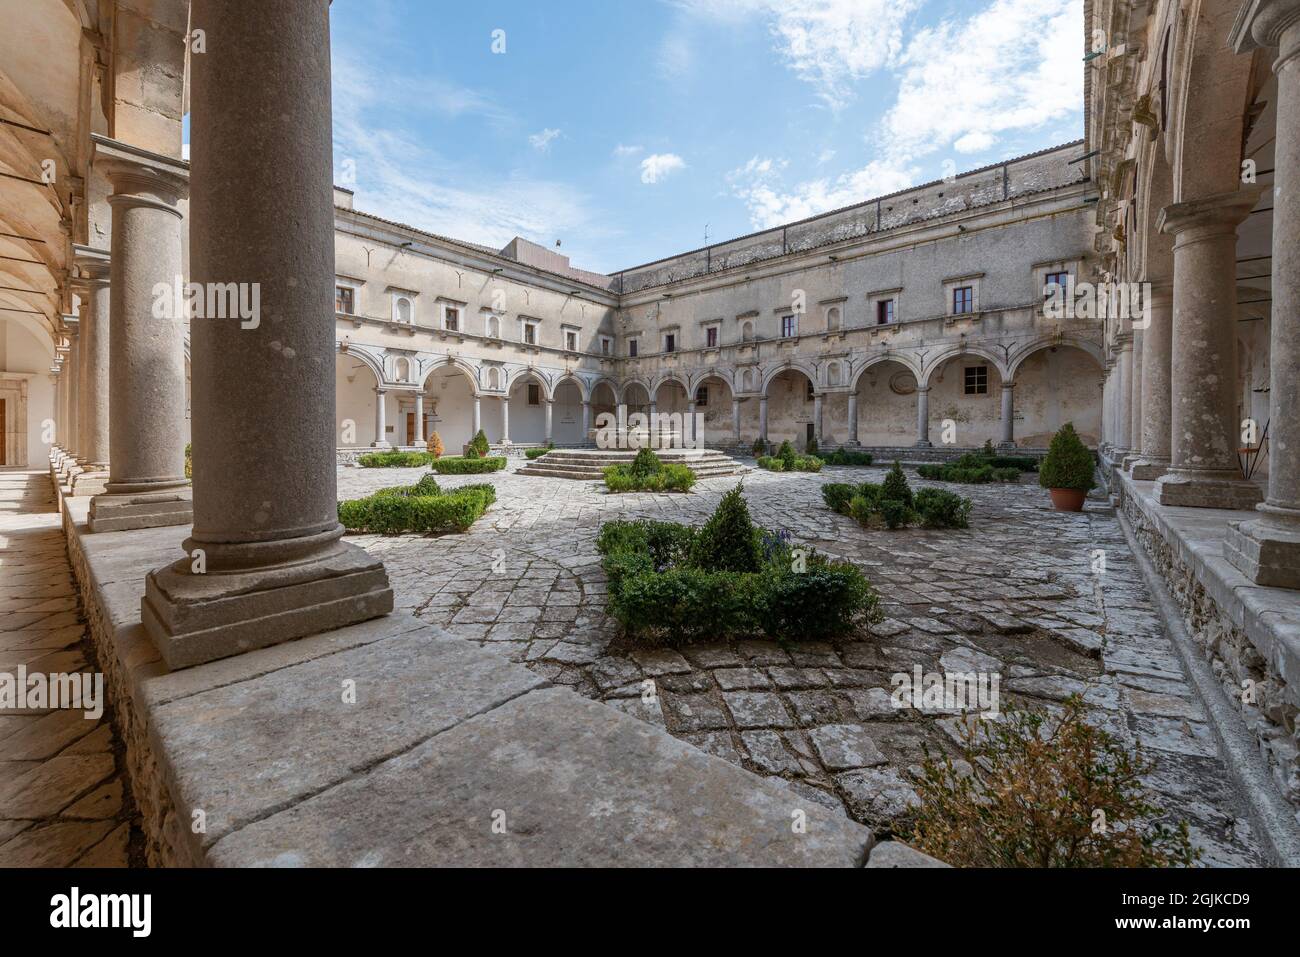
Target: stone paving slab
565	780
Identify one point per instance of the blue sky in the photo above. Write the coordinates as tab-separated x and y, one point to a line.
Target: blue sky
624	127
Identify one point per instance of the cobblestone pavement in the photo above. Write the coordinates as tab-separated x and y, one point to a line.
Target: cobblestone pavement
1016	594
61	788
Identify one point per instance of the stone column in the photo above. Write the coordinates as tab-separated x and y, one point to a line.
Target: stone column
735	419
1157	343
1123	396
381	419
550	418
817	417
266	562
1267	550
69	377
1135	402
505	419
762	418
61	405
1205	472
147	487
923	417
853	418
1008	414
586	421
478	415
420	435
94	378
1107	370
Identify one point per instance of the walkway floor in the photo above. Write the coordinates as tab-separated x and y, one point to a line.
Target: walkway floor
61	787
1017	595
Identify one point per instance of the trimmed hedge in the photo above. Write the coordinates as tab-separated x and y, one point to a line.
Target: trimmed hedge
787	460
968	475
847	457
463	466
420	509
672	584
532	454
648	473
894	505
395	460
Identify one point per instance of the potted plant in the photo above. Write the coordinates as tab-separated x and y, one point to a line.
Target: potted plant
1069	470
434	445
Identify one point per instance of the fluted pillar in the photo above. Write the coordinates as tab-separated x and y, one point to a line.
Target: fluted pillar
1008	414
266	562
1157	344
923	417
1205	472
146	486
1267	549
381	419
94	379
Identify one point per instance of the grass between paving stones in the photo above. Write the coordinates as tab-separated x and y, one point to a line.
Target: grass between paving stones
420	509
671	584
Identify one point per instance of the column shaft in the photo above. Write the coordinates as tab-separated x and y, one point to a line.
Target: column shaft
923	417
1157	342
1008	413
853	418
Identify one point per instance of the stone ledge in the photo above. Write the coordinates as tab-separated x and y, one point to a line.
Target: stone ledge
442	734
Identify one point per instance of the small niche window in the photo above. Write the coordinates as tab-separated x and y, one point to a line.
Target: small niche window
833	319
402	310
977	380
493	327
345	300
963	300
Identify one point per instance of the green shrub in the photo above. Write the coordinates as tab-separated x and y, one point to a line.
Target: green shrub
837	496
1021	463
808	463
395	460
939	508
532	454
729	540
811	448
896	488
895	513
1040	786
1069	463
788	455
846	457
790	463
648	473
420	509
672	583
646	463
457	465
759	448
479	444
970	469
189	460
771	464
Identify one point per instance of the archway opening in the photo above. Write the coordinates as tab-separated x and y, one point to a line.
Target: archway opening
1056	385
887	405
966	398
355	383
790	408
449	407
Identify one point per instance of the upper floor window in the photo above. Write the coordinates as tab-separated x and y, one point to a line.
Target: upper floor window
963	300
451	319
884	312
345	300
670	342
977	380
1061	279
789	327
606	345
570	340
747	331
530	333
711	337
632	346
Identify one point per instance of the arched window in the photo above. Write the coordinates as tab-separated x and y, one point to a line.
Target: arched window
402	370
747	332
493	327
494	379
833	318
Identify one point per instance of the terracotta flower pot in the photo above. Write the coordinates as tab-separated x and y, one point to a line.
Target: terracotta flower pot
1068	499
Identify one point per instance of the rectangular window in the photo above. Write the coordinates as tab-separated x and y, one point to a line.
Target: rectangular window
977	380
631	348
534	394
884	312
1061	279
530	334
571	341
788	327
702	396
711	337
963	300
344	300
451	320
670	343
605	346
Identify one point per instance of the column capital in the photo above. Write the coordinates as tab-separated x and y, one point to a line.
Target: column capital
139	177
1209	216
94	265
1265	24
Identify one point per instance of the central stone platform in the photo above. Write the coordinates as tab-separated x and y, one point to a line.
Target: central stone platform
588	465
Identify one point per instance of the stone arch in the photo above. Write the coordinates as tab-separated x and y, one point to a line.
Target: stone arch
667	377
807	368
967	350
523	375
577	381
451	390
790	412
749	380
633	384
354	397
1083	345
1057	382
906	362
471	372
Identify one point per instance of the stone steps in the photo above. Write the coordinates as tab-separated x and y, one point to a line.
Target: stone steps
588	465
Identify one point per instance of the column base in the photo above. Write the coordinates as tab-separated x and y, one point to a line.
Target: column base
92	480
1007	446
1126	463
924	445
1198	490
117	512
1148	470
1266	552
193	619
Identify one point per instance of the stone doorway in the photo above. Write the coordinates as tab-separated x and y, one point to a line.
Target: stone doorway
13	419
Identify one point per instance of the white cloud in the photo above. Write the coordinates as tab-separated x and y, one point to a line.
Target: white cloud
542	141
621	150
659	166
1010	68
825	157
831	44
